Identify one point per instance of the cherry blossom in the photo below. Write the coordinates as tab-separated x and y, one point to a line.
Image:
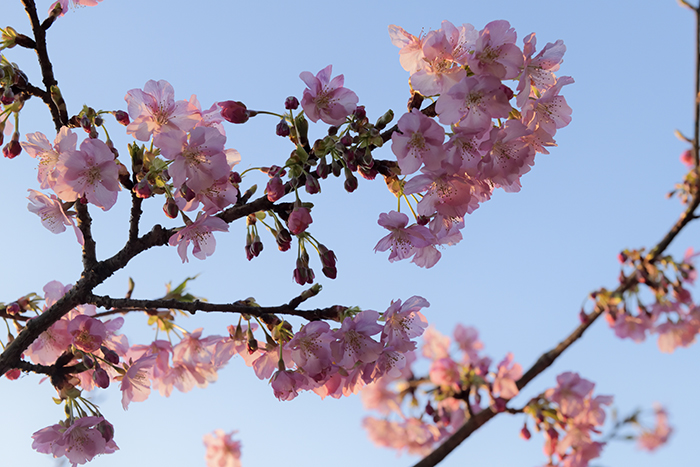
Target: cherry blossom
327	99
222	450
38	147
419	139
200	234
405	242
79	442
90	172
154	111
51	212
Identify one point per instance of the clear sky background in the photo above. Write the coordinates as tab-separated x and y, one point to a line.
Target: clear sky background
522	272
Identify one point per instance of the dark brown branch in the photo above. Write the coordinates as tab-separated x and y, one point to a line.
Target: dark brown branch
130	304
85	226
135	217
42	54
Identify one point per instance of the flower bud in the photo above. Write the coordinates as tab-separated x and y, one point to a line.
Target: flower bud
360	113
13	309
143	189
100	377
312	186
110	355
283	239
291	103
187	193
235	178
525	433
346	140
282	129
350	182
13	148
170	208
235	112
106	430
122	117
274	189
323	169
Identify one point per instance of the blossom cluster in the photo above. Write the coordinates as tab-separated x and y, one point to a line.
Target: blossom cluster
567	416
456	388
329	362
491	142
672	314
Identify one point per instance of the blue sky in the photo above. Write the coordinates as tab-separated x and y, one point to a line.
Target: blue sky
522	272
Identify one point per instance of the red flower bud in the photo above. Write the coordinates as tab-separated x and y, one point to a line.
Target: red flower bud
235	112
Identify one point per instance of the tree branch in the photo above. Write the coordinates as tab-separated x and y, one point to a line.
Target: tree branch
44	62
130	304
550	357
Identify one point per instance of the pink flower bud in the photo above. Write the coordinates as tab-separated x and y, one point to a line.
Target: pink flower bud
170	208
525	433
235	112
100	377
299	220
13	309
12	149
274	189
122	117
110	355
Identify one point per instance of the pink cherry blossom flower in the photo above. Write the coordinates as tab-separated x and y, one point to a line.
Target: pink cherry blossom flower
299	220
287	384
222	450
403	323
405	242
550	112
211	117
538	72
445	372
154	111
327	99
510	156
88	333
467	338
508	373
50	211
570	393
80	442
419	138
65	4
411	53
440	71
473	102
200	234
495	52
50	344
90	172
136	383
310	348
650	440
38	147
355	343
198	157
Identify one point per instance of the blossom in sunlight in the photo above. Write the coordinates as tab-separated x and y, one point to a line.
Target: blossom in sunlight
51	213
154	111
79	442
327	99
200	234
65	4
222	450
90	172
